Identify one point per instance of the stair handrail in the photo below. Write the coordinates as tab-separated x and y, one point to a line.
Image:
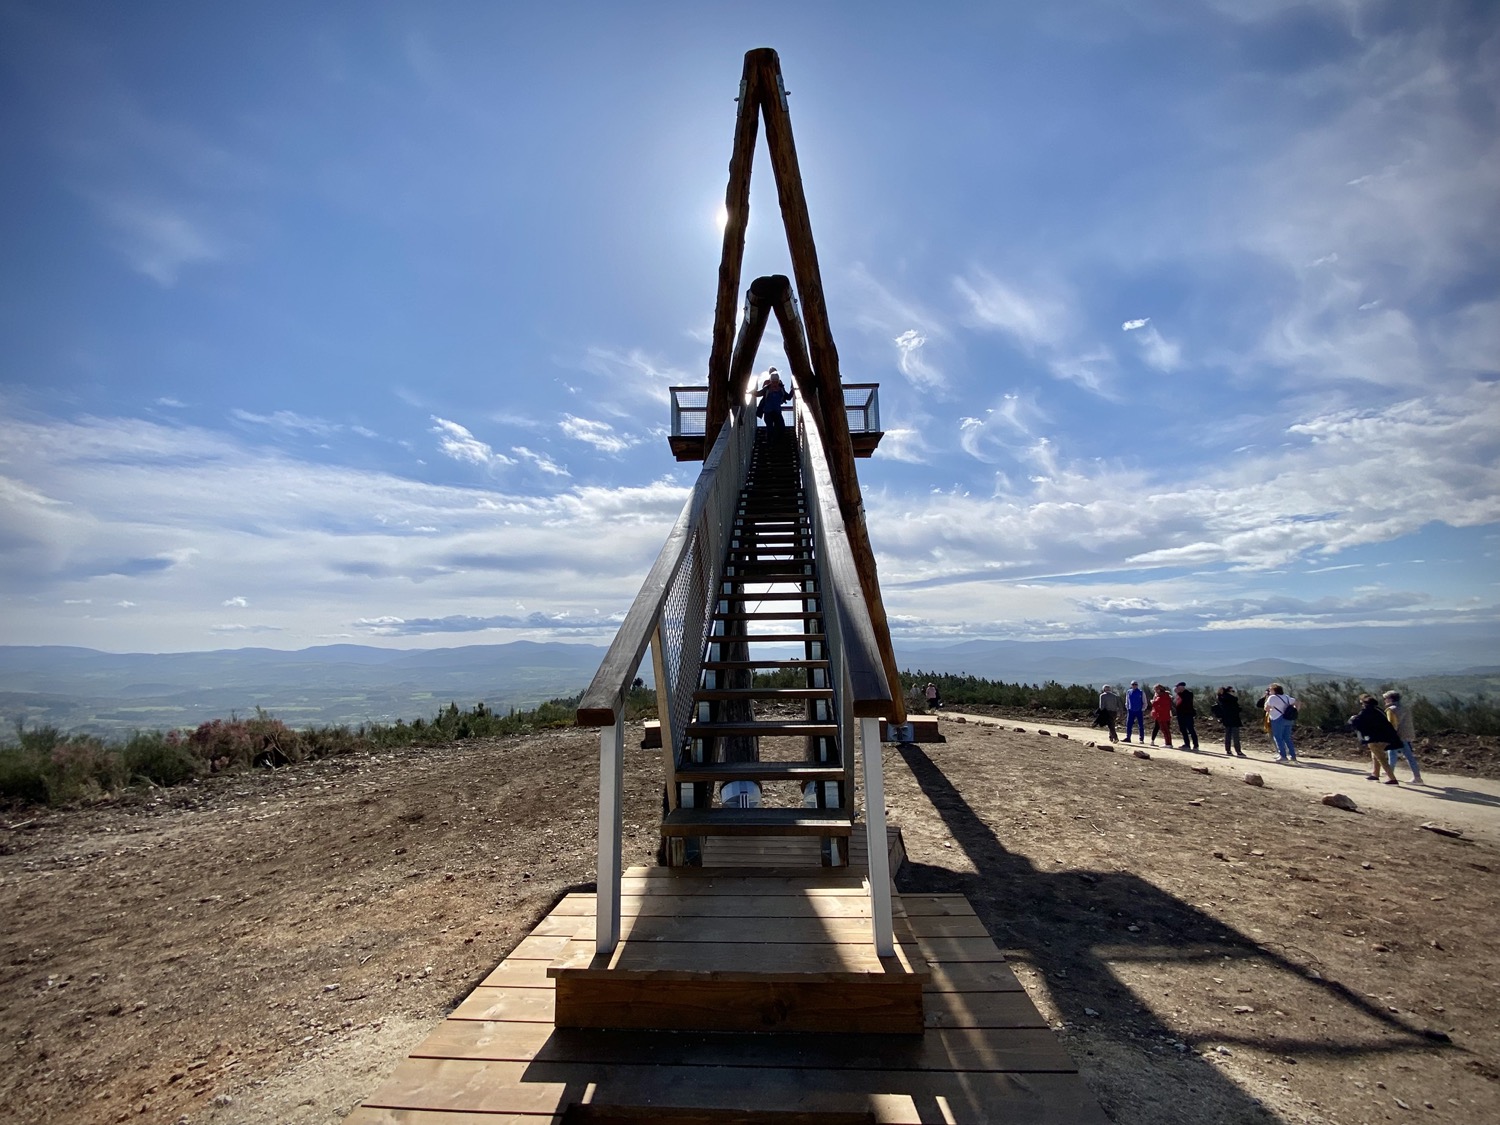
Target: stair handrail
673	614
858	649
855	660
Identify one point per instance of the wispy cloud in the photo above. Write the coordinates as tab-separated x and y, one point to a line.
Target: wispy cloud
458	443
158	240
1042	326
541	461
600	435
1155	349
917	333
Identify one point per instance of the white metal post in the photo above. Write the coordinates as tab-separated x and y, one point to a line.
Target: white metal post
875	843
611	798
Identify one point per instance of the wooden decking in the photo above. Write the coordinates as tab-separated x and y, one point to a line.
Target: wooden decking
763	910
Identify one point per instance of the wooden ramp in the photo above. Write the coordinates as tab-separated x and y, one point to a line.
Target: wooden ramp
984	1053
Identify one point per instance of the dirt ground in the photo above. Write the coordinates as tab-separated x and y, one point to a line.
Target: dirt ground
264	948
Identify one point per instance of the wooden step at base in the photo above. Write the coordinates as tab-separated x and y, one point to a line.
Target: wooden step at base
770	728
756	822
760	771
756	955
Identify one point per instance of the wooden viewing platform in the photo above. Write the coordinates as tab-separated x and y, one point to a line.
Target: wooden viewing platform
748	939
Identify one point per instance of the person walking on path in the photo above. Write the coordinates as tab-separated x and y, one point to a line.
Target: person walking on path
1279	705
1376	731
1135	710
1109	711
1187	716
1400	718
1161	714
1226	709
931	692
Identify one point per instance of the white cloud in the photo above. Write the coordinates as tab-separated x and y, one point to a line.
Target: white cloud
1132	325
238	602
159	240
917	334
541	461
123	509
1042	326
911	362
600	435
457	442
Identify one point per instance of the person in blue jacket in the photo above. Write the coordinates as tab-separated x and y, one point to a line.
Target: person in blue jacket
1135	710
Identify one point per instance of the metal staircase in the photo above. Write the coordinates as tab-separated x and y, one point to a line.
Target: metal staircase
780	773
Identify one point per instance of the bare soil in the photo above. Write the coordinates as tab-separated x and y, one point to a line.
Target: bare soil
264	948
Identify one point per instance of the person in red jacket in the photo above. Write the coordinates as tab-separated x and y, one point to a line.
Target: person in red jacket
1161	712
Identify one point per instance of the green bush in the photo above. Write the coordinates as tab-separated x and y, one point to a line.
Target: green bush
22	777
158	758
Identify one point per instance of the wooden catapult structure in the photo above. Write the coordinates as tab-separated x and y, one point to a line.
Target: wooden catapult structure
765	970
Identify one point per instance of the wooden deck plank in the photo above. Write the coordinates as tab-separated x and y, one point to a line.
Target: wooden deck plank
990	976
904	1098
1014	1050
489	1002
742	926
732	960
956	950
987	1055
690	906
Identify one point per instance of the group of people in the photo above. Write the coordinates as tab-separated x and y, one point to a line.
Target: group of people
1163	707
1387	732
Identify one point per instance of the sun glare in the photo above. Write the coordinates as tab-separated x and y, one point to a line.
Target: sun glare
721	217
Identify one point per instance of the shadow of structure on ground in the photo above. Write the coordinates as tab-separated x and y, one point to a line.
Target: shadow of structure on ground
1053	922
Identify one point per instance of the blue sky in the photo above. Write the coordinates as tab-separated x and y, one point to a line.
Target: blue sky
355	321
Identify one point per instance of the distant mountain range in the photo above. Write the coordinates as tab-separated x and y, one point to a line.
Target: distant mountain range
113	693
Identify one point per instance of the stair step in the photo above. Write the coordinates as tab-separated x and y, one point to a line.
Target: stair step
771	615
770	595
770	727
770	572
705	694
757	822
751	665
760	771
765	638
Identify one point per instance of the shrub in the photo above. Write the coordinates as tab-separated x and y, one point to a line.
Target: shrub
158	758
22	778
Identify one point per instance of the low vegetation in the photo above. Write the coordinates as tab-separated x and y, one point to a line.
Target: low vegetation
44	766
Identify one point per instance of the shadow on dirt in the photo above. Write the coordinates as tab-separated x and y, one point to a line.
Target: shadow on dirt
1070	926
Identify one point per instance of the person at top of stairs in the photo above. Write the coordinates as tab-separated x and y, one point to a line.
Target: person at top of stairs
773	395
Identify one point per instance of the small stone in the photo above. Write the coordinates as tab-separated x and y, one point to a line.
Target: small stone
1257	851
1090	1012
1254	779
1141	754
1340	801
1243	1009
1060	734
1039	730
1368	866
1381	947
1223	1050
1441	830
1400	1103
1218	855
1198	803
1200	769
330	988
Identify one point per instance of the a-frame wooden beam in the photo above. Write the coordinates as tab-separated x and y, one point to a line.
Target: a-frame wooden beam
762	93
